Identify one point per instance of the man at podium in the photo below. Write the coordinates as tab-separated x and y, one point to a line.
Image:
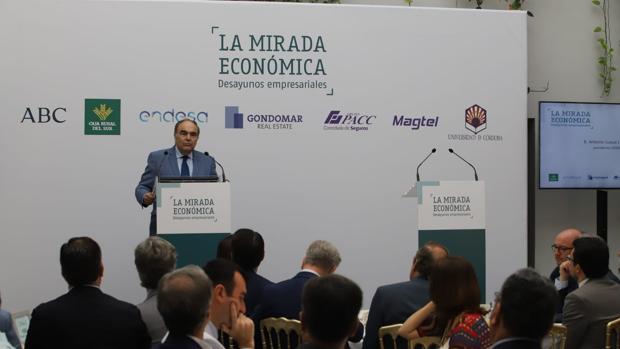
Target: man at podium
179	161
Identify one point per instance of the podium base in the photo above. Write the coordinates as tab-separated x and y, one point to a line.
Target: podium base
194	248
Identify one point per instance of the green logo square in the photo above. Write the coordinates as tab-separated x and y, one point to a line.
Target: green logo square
553	177
102	117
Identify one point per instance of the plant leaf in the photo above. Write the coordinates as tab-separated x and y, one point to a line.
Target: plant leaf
596	2
598	29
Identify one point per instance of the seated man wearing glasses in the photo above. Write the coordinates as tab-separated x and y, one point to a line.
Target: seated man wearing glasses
562	248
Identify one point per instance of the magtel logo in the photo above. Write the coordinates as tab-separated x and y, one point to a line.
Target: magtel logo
172	116
415	123
348	121
234	119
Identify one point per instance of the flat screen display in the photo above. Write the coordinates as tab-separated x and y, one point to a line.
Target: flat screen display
579	145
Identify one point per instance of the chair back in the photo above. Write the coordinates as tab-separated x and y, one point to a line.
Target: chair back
612	327
391	331
425	343
280	333
557	334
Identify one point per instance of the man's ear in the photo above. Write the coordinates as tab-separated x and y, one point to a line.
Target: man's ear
101	269
495	315
219	293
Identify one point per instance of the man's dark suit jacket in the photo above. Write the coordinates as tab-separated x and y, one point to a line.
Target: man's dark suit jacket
572	285
518	343
175	342
255	285
393	304
284	300
85	317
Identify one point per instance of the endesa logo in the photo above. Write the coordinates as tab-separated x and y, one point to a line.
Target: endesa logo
348	121
172	116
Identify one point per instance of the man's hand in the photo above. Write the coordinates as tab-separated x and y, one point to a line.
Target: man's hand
241	328
148	198
565	270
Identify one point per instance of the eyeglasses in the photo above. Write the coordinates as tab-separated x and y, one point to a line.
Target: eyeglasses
563	249
571	259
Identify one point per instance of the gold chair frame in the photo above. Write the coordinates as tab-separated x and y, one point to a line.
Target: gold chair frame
612	326
278	325
557	333
392	332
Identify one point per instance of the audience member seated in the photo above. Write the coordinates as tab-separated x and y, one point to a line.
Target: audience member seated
284	298
224	248
454	310
392	304
227	305
6	327
330	305
85	317
596	302
248	251
523	312
560	276
183	301
154	257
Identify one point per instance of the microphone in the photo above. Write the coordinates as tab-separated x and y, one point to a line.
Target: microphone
467	162
220	165
417	170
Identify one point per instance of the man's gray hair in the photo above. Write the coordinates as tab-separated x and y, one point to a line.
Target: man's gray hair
154	257
323	254
183	299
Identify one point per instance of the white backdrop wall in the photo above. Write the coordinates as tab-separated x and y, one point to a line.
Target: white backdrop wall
292	185
562	50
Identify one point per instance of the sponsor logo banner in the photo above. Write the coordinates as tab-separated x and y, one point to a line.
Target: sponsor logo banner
235	119
102	117
348	121
172	116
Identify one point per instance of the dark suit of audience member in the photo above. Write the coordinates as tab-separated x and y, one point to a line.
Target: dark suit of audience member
330	306
392	304
85	317
154	258
248	251
588	309
572	285
524	310
283	299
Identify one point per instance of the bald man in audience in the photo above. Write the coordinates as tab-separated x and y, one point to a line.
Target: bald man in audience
393	304
560	276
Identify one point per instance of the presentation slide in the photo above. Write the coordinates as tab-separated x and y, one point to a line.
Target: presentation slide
579	145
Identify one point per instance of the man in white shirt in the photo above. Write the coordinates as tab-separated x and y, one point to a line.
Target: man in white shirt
228	305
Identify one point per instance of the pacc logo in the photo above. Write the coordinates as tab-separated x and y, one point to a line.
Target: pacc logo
348	121
172	116
44	115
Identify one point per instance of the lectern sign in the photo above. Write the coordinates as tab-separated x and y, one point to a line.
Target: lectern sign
192	208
